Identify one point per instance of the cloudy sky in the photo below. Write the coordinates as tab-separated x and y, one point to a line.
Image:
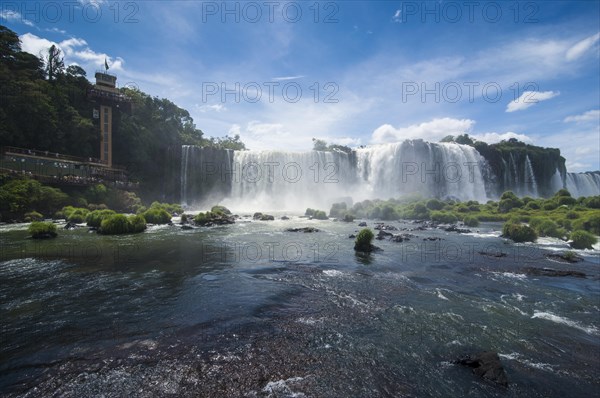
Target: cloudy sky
351	72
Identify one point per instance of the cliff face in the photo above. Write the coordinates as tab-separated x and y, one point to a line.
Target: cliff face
378	172
522	168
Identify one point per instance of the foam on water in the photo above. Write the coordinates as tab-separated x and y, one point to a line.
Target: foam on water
564	321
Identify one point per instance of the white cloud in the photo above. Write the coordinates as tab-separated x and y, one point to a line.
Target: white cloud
95	3
589	116
211	108
581	47
433	130
14	16
492	138
75	51
528	99
396	17
36	45
287	78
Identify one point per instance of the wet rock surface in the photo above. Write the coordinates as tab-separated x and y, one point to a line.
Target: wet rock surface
486	365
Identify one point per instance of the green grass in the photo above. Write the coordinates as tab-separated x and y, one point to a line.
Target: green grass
40	229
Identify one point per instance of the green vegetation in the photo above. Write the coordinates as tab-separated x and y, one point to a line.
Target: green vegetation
137	224
45	106
320	145
33	216
545	216
309	212
42	230
221	210
471	221
75	214
116	224
518	232
20	196
218	215
338	210
119	224
363	240
155	215
582	240
348	218
443	217
320	215
95	218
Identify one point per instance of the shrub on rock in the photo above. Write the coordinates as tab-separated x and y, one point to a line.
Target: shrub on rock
116	224
471	221
94	219
518	232
582	240
157	215
363	240
137	224
33	216
42	230
320	215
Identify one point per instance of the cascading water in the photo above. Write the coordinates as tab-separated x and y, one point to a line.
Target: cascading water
583	184
530	187
290	181
431	169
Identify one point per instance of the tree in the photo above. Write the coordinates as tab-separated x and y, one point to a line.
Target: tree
464	139
448	138
55	65
319	145
75	71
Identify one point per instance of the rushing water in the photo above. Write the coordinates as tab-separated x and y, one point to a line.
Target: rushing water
583	184
296	180
250	310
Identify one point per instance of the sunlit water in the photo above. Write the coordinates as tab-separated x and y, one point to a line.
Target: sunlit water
251	310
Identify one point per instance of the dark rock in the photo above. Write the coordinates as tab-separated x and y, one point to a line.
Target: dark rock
493	254
186	227
383	234
486	365
263	217
211	219
553	272
352	236
70	225
362	224
385	227
304	229
45	235
371	248
285	218
454	228
568	257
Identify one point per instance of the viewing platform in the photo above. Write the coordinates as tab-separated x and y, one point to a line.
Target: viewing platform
61	170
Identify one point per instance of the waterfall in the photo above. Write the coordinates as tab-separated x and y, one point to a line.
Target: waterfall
185	150
529	179
280	180
415	166
583	184
556	182
290	180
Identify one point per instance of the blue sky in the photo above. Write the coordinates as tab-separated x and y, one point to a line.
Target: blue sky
351	72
